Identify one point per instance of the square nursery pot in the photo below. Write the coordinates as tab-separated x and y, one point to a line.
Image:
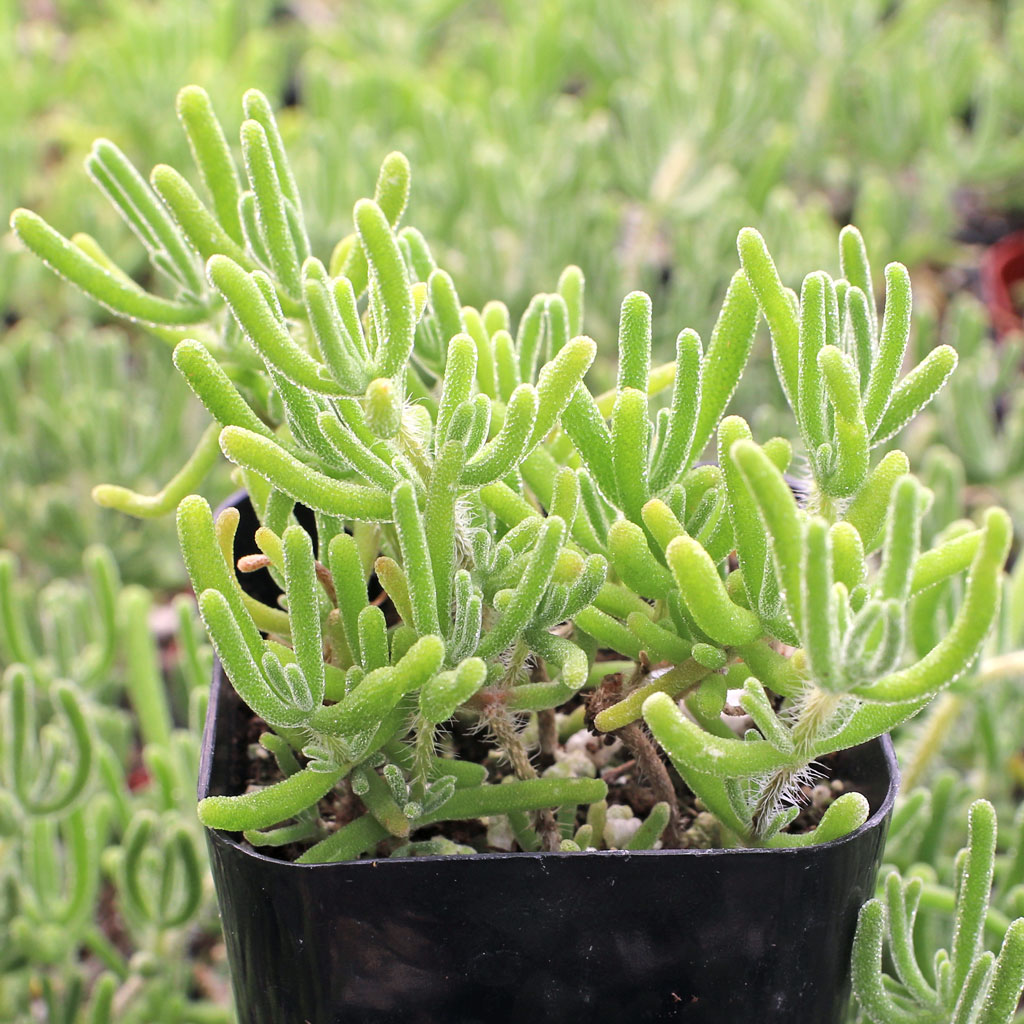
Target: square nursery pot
696	936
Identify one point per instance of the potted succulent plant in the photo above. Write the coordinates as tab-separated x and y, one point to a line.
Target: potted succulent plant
551	717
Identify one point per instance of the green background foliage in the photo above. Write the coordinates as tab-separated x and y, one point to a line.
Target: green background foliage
541	135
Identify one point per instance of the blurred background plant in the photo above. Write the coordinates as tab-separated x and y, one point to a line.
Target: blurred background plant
542	133
544	123
124	415
905	970
106	909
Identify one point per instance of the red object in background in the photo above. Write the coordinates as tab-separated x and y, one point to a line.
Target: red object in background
1002	274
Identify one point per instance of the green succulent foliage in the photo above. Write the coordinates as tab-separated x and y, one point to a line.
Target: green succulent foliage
805	573
973	727
353	452
68	631
50	464
979	419
470	469
968	741
838	366
656	153
77	65
924	842
965	982
104	866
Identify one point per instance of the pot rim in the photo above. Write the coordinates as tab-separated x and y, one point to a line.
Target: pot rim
875	820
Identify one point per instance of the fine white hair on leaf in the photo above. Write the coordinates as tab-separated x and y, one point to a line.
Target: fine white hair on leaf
465	530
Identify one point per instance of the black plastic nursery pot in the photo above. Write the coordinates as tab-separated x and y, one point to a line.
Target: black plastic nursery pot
715	936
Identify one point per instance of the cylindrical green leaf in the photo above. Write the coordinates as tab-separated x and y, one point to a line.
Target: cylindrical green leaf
264	329
810	407
767	286
214	389
635	341
631	431
676	451
781	517
958	647
915	391
120	295
687	744
188	479
706	597
212	157
448	690
302	591
866	513
557	382
272	216
271	804
203	231
892	345
392	279
415	558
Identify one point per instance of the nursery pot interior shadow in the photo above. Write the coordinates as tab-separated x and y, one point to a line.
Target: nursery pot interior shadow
260	584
